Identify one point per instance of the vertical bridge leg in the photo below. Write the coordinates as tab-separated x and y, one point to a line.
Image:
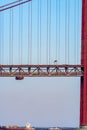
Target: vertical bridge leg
83	94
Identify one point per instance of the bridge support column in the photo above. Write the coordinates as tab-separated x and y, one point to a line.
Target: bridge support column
83	94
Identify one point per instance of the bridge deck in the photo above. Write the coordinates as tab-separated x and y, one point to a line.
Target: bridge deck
41	70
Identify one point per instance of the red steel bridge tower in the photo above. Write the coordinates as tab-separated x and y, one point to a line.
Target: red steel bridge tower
83	96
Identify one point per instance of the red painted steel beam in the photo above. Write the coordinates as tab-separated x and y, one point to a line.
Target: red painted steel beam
83	94
13	4
21	71
42	65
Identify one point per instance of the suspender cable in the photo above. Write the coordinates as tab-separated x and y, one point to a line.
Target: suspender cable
21	31
29	33
59	34
75	33
78	30
56	30
66	32
49	31
67	6
20	34
47	35
38	32
11	37
31	36
0	38
68	26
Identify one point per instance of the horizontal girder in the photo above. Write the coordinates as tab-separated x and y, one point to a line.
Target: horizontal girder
41	70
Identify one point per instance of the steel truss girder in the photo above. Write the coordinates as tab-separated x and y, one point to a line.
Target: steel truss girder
41	70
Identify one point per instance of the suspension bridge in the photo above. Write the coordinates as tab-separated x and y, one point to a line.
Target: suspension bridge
36	40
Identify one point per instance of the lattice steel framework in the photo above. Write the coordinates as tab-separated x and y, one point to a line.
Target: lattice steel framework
40	70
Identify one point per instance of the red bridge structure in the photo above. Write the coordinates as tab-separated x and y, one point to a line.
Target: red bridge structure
83	100
53	70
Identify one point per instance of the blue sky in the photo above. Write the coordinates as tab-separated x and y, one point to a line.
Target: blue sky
41	101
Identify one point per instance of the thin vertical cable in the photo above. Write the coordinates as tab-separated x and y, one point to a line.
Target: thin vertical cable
78	30
49	30
2	38
28	32
31	37
47	57
20	34
68	27
56	29
75	31
65	31
11	37
21	29
40	32
59	35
